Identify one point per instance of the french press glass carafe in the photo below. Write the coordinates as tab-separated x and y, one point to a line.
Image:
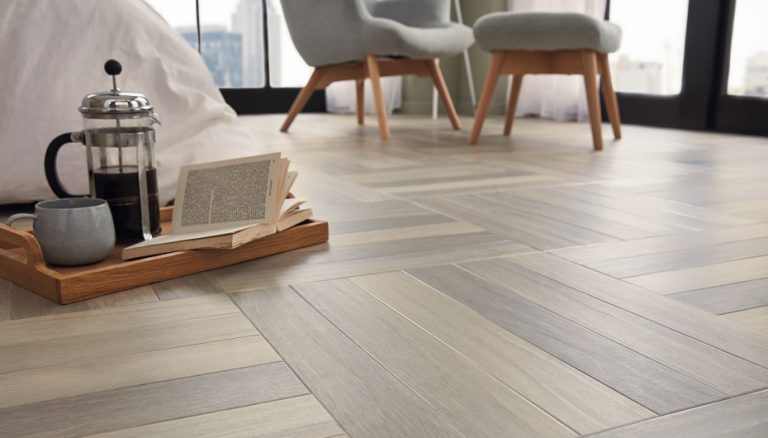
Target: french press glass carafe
119	138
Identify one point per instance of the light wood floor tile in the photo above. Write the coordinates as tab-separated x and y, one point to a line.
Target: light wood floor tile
134	369
185	287
706	191
441	188
530	216
118	340
577	400
753	209
699	277
26	304
702	362
297	417
362	395
368	258
424	172
727	298
150	403
742	417
659	207
331	189
527	232
633	222
387	223
683	259
70	325
144	294
690	321
404	233
447	380
643	380
5	299
756	318
592	255
361	211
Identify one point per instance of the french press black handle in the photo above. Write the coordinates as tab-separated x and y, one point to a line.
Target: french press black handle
50	163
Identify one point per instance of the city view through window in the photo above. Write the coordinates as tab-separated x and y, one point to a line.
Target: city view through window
649	62
748	72
232	40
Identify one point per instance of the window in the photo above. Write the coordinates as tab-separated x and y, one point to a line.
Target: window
181	15
650	60
286	68
748	71
232	41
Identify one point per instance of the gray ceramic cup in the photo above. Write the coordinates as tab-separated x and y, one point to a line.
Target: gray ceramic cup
72	231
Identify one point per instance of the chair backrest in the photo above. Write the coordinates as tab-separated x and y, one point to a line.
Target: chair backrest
322	30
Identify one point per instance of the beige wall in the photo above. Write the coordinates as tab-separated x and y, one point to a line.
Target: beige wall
417	92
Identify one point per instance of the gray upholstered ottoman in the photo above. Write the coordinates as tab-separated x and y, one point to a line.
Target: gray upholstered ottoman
547	43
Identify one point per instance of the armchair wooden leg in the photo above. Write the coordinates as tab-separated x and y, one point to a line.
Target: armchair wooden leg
360	95
302	98
514	94
610	94
372	70
589	69
494	70
442	89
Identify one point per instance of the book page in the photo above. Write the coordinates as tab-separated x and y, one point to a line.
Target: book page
226	194
173	238
290	178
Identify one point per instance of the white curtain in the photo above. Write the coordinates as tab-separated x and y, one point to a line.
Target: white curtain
557	97
340	96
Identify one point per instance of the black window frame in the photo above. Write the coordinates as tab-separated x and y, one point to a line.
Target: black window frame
266	100
703	102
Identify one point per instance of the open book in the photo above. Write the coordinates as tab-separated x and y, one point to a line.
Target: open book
226	204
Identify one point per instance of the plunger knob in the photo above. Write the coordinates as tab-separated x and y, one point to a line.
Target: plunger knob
113	67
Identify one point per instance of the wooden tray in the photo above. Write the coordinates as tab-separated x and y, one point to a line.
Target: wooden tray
21	262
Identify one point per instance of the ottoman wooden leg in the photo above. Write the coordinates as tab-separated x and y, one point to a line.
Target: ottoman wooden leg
610	94
494	70
372	69
360	99
514	94
589	69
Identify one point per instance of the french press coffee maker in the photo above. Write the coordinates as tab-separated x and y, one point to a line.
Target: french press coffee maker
119	138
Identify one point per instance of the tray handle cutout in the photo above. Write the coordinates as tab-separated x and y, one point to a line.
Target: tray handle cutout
24	240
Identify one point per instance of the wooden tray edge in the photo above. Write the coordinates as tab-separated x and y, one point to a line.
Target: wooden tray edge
72	287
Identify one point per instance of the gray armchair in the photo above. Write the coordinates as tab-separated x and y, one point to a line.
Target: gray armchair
367	39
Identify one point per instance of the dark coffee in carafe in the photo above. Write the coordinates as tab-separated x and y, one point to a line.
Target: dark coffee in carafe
121	190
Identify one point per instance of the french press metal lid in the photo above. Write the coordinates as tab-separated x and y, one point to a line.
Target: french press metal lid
115	104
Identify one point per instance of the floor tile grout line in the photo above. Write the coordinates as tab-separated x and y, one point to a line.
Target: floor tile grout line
538	349
743	310
256	335
183	417
459	353
641	315
682	411
154	325
280	355
120	388
676	370
376	361
575	244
